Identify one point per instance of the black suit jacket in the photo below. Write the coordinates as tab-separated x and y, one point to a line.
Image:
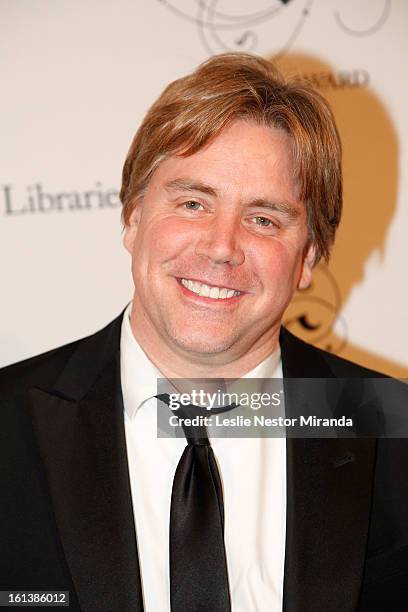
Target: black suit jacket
66	510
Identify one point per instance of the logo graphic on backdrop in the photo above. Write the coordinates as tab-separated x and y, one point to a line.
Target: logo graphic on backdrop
315	311
371	25
225	25
231	25
38	199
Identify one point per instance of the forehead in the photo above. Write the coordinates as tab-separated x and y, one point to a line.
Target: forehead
245	157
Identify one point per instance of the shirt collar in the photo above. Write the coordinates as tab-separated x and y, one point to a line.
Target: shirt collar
139	375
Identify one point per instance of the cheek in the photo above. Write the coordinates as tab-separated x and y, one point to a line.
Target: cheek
275	263
163	239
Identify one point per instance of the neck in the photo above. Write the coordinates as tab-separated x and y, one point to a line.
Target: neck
174	362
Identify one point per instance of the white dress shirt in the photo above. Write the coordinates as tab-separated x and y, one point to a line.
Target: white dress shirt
253	473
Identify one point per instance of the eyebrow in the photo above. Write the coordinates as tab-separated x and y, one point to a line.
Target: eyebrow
286	208
190	186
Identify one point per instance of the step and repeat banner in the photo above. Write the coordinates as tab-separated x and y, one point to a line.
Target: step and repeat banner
77	78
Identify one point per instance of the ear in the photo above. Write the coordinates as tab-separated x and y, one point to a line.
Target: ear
132	226
309	257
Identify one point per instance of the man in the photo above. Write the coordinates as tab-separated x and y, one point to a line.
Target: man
231	193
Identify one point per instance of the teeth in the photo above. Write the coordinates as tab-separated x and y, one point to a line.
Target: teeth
205	291
216	293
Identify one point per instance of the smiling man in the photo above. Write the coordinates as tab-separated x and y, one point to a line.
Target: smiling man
231	193
219	245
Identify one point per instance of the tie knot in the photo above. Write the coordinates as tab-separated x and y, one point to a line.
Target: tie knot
192	419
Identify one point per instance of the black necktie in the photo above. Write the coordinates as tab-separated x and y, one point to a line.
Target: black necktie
198	566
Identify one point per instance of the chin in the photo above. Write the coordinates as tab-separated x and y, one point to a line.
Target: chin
196	343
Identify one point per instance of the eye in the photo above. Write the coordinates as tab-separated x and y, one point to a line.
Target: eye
263	225
262	221
192	205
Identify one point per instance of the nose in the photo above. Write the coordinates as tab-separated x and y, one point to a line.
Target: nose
220	242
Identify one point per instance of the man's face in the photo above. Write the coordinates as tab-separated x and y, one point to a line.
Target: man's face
219	245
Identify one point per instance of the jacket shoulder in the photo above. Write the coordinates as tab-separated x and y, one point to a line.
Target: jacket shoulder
38	370
310	354
43	370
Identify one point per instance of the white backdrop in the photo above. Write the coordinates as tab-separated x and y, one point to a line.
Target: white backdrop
77	78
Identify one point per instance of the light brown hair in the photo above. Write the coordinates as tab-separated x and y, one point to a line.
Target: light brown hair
193	110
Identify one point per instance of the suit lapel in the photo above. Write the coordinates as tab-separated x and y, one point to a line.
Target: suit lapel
80	431
329	484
